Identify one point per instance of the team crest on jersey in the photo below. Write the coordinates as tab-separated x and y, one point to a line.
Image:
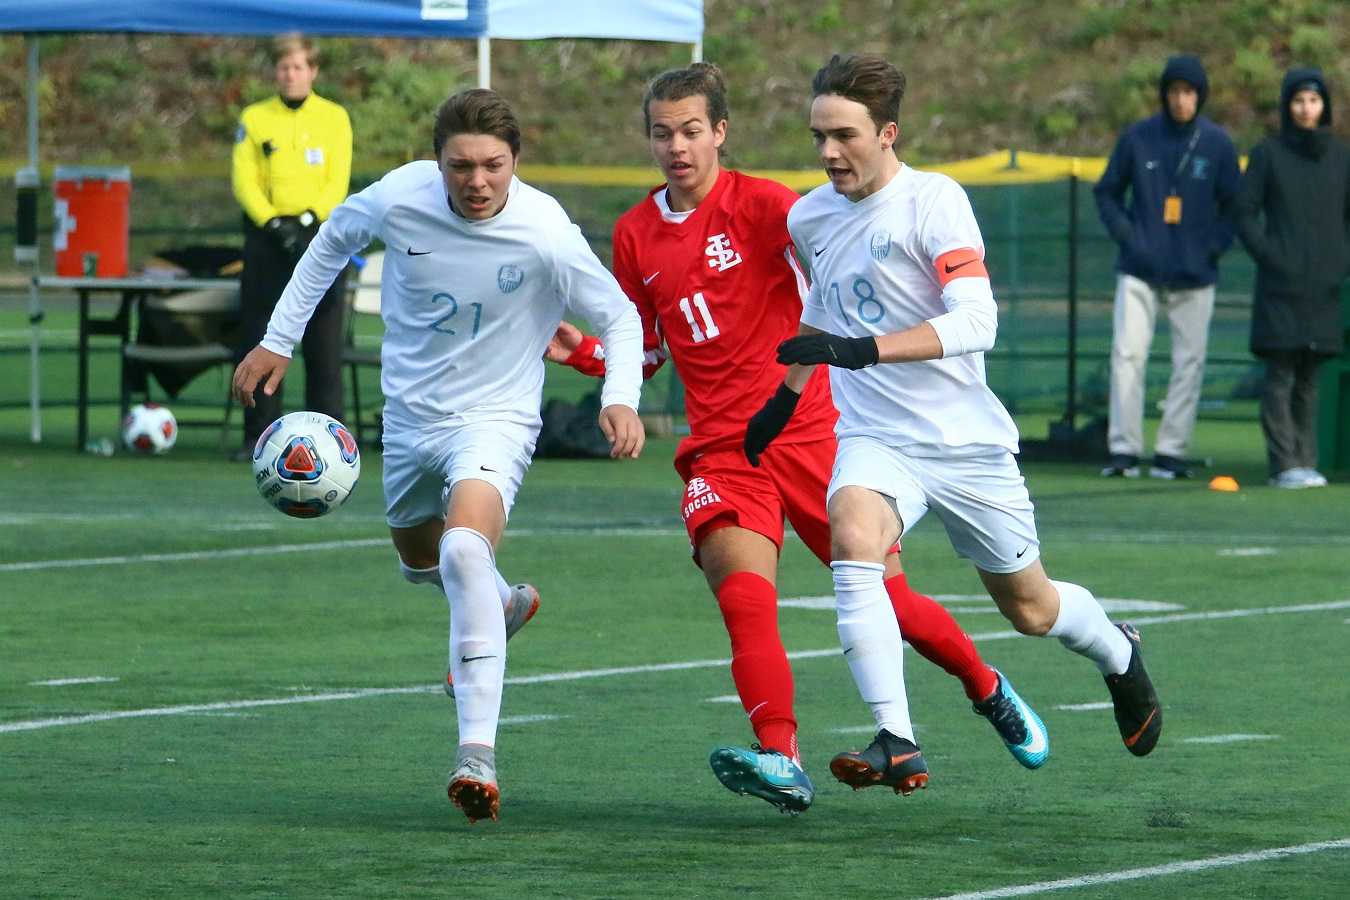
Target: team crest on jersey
1199	167
721	255
509	278
880	245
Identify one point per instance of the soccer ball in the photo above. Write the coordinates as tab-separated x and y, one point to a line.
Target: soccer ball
306	464
149	429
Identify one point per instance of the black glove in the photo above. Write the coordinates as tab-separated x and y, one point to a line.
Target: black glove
288	233
831	349
769	422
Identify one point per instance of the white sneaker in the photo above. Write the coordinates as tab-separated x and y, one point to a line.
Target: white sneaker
1292	480
520	609
1314	478
473	784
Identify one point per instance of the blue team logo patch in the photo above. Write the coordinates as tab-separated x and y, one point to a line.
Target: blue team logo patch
509	278
880	245
1199	167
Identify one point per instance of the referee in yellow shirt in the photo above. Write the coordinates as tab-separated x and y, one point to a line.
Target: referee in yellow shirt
292	163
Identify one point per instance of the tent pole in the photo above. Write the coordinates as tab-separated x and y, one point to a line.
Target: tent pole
485	62
34	298
697	55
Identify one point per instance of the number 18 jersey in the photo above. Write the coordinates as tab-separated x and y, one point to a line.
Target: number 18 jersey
721	290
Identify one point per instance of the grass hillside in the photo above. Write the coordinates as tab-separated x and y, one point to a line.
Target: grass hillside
984	74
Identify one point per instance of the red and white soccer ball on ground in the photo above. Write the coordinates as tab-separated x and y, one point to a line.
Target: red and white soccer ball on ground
149	429
306	464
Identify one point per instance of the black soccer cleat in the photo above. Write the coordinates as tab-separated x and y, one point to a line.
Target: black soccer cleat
889	760
1138	712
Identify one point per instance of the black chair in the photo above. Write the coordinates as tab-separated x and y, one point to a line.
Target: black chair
179	336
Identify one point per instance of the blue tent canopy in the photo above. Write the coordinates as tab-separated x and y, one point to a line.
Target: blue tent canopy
386	18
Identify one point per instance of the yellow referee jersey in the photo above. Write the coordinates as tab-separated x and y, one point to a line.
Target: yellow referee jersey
289	160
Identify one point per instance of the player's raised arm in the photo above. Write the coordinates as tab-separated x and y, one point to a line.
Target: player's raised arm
350	229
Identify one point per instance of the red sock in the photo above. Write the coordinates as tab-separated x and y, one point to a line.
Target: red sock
759	664
933	632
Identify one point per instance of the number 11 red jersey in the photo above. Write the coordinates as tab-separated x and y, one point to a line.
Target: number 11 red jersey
721	290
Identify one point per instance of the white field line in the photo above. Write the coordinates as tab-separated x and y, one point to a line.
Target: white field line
1249	551
981	603
1231	738
725	698
1083	707
551	677
62	682
1177	868
313	547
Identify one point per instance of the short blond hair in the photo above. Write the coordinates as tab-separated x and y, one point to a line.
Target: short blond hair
295	42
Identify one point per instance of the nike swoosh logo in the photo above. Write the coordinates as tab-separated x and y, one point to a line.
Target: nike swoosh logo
412	252
848	651
649	278
751	713
821	250
1037	742
469	659
1134	738
897	760
1024	550
486	469
952	268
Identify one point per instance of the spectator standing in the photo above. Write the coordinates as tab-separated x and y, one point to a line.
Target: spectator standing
1293	214
1179	169
291	166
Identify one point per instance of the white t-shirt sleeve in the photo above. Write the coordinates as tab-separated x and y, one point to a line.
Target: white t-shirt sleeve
971	323
590	291
352	226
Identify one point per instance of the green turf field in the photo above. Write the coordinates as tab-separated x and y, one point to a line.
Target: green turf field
171	576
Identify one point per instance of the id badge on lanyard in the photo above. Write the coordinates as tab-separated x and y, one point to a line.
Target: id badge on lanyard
1172	210
1172	202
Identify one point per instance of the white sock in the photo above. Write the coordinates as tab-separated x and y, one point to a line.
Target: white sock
1084	628
422	576
870	637
478	633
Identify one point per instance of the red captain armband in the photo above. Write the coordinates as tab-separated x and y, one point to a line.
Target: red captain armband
588	358
965	262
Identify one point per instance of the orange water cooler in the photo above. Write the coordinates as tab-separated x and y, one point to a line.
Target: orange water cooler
92	217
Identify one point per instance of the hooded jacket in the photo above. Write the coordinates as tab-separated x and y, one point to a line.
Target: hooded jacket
1157	157
1293	214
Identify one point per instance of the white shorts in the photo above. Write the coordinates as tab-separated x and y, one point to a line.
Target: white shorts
420	467
981	500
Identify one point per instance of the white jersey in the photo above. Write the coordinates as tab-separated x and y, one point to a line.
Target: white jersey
874	271
468	306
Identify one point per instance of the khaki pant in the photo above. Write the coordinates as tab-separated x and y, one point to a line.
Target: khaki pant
1188	312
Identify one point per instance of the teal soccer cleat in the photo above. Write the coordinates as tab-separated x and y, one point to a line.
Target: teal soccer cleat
766	774
1022	730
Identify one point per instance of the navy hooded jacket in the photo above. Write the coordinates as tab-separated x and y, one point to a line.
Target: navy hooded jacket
1145	165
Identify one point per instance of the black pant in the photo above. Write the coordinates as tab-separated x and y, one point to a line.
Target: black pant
1289	409
267	268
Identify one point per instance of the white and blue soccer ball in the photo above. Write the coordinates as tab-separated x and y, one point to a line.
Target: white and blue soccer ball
306	464
149	429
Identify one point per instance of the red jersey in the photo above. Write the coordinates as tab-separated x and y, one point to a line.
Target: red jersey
719	292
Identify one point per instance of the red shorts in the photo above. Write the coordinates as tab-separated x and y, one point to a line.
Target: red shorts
722	489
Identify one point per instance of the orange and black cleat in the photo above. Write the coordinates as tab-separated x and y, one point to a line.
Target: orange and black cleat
473	784
1138	712
889	760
